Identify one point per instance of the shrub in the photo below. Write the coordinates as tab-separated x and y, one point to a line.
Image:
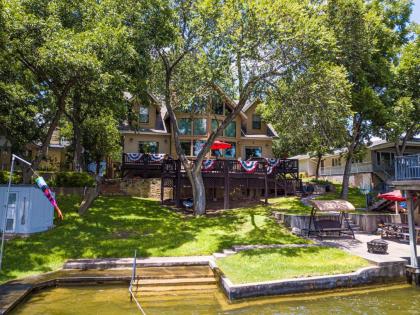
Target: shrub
4	177
73	179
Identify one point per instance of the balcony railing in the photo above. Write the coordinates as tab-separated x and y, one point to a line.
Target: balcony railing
339	170
407	167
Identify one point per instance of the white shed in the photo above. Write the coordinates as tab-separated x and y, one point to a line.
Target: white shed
27	211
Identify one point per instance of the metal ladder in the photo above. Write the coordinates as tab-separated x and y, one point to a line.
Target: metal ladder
132	282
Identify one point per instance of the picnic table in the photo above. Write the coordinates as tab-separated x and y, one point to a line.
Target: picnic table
398	230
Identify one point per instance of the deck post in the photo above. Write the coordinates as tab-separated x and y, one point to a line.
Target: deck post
162	188
266	186
285	186
226	188
412	230
275	185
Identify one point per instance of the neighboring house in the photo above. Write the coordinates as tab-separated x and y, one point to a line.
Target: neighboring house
56	152
5	153
376	167
150	132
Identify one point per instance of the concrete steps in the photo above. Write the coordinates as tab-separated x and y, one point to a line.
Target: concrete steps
187	281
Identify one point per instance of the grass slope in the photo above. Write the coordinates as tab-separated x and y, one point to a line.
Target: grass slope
276	264
115	226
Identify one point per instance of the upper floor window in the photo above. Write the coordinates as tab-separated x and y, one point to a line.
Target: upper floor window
336	162
230	130
184	125
256	121
144	114
200	127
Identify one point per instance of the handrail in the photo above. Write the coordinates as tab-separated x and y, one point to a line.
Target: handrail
133	279
407	167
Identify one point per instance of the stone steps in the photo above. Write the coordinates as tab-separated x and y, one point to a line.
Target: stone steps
175	282
173	289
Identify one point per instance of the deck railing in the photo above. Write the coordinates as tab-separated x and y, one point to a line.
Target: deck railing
407	167
339	170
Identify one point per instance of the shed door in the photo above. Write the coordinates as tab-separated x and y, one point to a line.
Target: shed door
11	212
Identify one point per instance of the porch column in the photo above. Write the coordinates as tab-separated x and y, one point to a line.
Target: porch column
411	229
227	188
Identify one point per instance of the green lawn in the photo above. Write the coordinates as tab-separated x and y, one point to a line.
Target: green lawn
116	226
276	264
355	196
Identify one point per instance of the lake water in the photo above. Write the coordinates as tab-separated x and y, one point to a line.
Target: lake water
110	300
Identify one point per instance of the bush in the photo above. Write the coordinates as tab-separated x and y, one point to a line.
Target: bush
321	182
4	177
73	179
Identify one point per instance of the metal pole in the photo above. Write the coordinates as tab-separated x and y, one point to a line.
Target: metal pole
412	230
5	210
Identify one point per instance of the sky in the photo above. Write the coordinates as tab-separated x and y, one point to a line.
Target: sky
415	16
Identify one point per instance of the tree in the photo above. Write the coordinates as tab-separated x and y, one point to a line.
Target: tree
368	35
234	49
403	112
61	46
310	111
101	137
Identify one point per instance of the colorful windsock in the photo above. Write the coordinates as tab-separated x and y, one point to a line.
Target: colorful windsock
47	192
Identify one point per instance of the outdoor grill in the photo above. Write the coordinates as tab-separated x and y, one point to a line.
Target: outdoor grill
377	246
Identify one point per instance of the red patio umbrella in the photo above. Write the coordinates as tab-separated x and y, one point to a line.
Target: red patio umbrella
394	195
217	145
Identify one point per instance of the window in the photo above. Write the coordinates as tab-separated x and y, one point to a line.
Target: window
186	147
200	127
252	152
256	121
230	130
214	124
11	212
322	163
198	146
144	114
336	162
148	147
231	153
184	125
217	105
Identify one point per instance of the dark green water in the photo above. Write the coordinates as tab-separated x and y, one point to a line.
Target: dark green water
107	300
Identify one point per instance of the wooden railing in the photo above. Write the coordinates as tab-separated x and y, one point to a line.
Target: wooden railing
407	167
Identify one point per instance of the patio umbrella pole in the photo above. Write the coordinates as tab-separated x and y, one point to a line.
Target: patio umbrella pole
6	204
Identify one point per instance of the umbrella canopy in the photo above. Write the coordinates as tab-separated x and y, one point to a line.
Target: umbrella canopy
392	196
217	145
333	205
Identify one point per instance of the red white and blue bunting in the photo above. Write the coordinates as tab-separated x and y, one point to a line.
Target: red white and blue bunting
273	162
157	157
208	165
134	157
270	169
249	166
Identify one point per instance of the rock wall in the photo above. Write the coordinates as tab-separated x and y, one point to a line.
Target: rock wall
139	187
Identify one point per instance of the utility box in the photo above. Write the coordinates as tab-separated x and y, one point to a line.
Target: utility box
27	210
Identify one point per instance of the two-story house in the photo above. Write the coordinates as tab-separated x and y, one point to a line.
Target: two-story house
375	167
150	130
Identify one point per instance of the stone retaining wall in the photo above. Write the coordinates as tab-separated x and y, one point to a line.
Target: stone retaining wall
369	222
139	187
364	276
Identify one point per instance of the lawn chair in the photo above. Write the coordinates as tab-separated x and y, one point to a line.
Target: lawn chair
320	226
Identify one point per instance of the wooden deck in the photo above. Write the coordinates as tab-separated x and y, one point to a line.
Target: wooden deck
226	175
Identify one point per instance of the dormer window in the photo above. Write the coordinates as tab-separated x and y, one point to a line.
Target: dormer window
256	121
143	114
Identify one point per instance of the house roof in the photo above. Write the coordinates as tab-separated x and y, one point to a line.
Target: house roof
164	115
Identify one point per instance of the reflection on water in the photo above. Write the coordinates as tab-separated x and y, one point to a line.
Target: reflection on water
107	300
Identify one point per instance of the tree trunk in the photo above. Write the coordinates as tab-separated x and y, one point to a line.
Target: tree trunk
27	173
98	166
199	193
357	123
318	164
77	134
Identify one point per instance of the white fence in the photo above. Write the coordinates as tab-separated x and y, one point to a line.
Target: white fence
339	170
